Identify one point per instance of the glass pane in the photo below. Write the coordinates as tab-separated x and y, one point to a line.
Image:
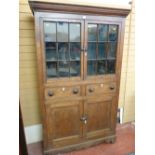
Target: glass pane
91	50
112	50
75	50
74	68
101	67
112	32
111	66
74	32
91	68
50	31
102	32
51	69
63	51
101	50
63	68
51	54
62	32
92	32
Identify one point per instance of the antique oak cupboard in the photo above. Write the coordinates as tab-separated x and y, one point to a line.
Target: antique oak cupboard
79	54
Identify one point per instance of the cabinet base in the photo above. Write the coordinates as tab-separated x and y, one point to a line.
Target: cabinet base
82	145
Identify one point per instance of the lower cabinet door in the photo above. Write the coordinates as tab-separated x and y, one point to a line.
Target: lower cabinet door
63	122
101	117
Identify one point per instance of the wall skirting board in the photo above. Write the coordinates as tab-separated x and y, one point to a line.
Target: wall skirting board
33	133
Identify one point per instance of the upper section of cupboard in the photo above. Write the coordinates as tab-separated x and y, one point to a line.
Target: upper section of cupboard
78	42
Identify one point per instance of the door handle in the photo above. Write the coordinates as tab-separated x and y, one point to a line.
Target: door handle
83	49
83	118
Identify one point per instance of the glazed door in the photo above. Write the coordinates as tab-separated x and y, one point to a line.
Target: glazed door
101	48
62	45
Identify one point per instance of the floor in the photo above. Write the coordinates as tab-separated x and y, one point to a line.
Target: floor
124	145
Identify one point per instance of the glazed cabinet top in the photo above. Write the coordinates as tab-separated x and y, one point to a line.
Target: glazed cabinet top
78	43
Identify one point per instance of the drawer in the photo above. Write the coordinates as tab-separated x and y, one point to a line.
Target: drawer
58	92
94	89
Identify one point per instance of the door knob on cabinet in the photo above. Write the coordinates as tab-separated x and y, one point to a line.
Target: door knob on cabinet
50	93
91	90
75	91
84	118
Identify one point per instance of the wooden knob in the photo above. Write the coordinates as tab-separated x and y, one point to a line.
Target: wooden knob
50	93
112	87
75	91
91	90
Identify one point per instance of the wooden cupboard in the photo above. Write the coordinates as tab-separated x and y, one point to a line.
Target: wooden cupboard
79	54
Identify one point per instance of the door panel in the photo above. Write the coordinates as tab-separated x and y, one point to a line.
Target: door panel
63	121
101	116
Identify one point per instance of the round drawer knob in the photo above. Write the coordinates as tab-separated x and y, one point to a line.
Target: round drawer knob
50	93
91	90
75	91
112	87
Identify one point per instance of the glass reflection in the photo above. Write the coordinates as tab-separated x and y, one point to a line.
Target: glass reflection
51	54
91	67
62	32
50	31
112	32
74	68
102	32
91	51
63	51
63	68
101	67
111	66
75	51
101	50
51	68
112	50
74	32
92	32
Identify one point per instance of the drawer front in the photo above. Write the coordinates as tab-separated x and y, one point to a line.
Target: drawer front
58	92
95	89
